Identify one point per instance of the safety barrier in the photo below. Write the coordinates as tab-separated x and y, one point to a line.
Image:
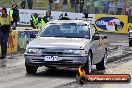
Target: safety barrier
18	39
24	38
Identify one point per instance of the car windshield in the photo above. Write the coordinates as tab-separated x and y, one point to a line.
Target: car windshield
67	30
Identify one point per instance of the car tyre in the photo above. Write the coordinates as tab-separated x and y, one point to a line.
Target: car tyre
130	43
102	65
88	64
31	69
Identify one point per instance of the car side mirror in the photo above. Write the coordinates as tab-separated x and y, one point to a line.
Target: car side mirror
32	36
95	37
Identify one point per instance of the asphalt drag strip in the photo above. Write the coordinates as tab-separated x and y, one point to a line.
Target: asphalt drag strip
14	75
118	56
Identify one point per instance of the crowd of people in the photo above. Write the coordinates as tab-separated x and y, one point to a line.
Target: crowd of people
74	4
39	22
109	7
101	6
112	7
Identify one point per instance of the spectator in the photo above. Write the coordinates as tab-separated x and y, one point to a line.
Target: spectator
23	4
64	5
106	6
112	8
72	3
81	5
102	7
120	6
46	18
126	10
14	14
57	5
50	4
130	15
76	2
89	4
96	3
35	21
5	29
30	4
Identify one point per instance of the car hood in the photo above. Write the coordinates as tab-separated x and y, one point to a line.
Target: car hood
48	42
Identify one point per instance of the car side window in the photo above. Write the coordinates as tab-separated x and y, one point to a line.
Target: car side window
93	29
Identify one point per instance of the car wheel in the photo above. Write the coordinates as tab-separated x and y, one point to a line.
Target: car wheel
102	65
130	43
88	64
31	69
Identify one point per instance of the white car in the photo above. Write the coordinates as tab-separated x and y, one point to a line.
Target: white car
67	43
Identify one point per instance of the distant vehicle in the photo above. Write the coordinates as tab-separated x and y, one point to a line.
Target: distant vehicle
67	43
130	35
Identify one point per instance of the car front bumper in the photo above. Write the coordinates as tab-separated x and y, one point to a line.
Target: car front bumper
65	60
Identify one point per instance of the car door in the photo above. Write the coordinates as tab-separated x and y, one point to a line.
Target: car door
96	46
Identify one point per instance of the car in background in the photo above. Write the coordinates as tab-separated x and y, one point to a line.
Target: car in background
130	35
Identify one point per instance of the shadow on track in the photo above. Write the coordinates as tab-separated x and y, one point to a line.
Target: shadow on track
57	72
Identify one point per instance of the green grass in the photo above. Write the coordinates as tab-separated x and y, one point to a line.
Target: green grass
43	4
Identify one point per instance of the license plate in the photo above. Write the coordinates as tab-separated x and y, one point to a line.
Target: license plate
51	58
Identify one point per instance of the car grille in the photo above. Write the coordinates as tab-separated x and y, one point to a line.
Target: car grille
52	51
42	61
55	53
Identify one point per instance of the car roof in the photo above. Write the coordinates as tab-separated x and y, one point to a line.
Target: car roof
69	21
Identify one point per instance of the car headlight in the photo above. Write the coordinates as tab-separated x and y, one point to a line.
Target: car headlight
74	51
33	50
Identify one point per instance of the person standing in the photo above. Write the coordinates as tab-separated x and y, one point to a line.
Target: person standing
130	15
14	13
81	5
89	4
46	18
106	6
23	4
96	4
64	5
72	3
112	8
35	21
126	10
30	4
76	2
5	28
50	5
57	5
120	6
